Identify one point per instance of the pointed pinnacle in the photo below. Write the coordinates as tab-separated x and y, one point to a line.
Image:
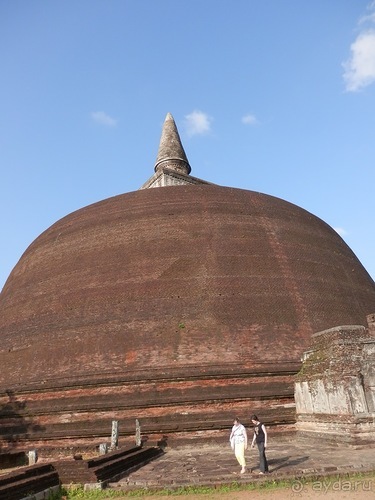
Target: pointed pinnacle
171	154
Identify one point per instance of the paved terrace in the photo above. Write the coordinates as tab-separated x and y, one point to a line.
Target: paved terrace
213	464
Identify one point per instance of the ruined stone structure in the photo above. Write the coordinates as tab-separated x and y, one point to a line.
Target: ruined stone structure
335	389
179	306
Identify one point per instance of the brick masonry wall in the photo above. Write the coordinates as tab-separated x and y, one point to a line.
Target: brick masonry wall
184	302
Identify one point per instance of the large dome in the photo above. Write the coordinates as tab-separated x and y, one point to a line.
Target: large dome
203	288
174	277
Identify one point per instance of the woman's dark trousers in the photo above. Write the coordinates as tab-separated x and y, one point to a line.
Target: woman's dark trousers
263	464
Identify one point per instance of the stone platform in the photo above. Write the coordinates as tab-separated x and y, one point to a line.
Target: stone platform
214	464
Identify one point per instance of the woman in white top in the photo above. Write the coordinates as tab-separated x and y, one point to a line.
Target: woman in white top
238	442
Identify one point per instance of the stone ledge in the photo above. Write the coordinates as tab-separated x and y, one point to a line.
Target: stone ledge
229	480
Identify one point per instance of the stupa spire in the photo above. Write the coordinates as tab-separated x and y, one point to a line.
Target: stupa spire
171	153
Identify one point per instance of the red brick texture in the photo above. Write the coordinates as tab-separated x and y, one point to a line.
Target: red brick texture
191	300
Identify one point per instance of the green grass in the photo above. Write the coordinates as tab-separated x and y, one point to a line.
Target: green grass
76	492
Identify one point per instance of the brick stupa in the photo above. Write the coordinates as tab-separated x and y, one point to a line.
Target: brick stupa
181	304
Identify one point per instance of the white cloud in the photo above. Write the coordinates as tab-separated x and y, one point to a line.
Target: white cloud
197	123
360	68
340	231
369	17
103	119
249	120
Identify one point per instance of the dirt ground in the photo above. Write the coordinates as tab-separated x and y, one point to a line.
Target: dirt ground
327	490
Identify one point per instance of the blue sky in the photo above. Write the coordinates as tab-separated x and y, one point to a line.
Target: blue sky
268	95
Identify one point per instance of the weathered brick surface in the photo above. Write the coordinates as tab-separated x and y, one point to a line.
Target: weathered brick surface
105	467
198	286
334	390
336	353
26	481
371	324
172	405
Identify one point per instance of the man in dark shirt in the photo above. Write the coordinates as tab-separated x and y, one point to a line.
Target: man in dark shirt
260	438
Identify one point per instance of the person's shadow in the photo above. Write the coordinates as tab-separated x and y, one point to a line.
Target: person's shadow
280	463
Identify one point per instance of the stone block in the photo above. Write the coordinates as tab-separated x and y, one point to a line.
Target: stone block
335	388
303	398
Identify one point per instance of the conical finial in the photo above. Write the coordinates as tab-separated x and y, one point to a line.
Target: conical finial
171	154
